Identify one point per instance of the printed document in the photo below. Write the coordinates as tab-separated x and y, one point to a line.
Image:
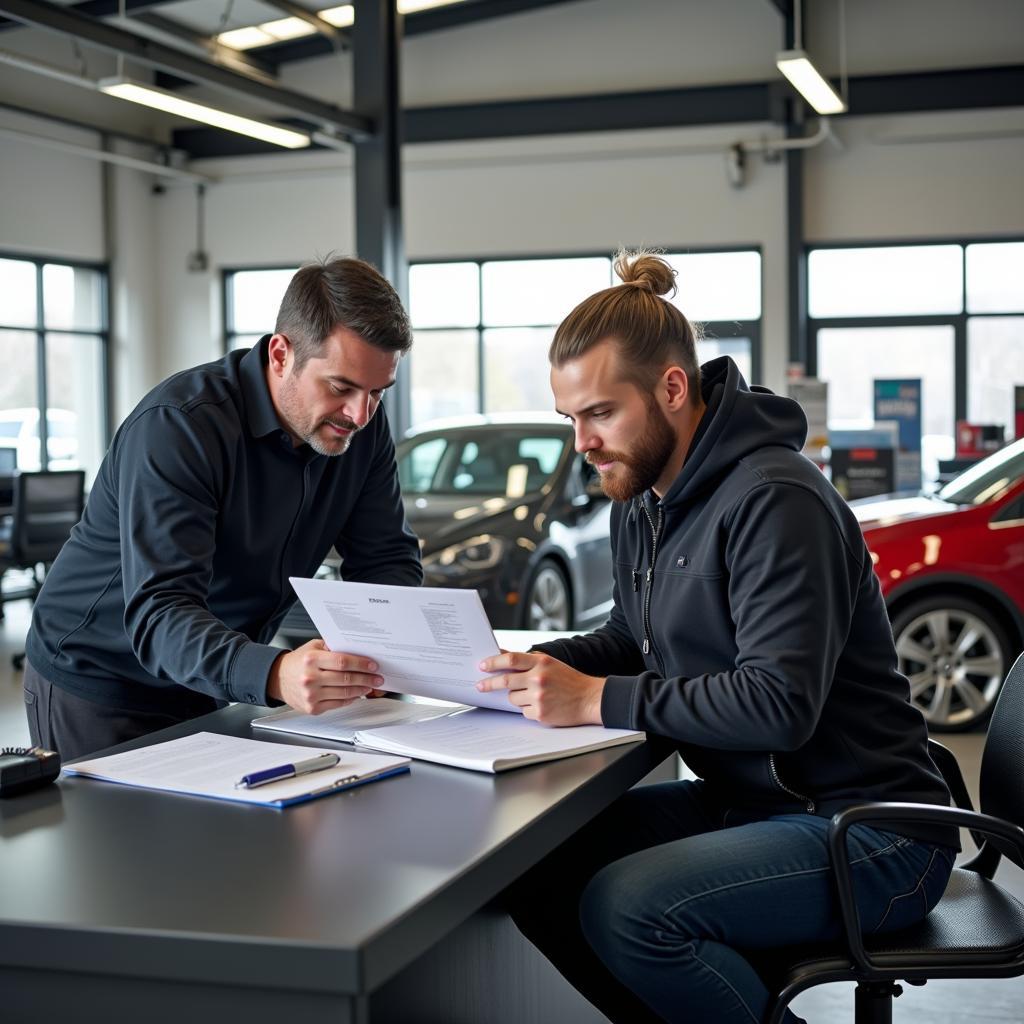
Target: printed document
428	641
208	764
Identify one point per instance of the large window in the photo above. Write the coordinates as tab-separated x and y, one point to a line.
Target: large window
251	301
951	314
483	327
53	342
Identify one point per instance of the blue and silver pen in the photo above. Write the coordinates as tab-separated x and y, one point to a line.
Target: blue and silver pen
287	771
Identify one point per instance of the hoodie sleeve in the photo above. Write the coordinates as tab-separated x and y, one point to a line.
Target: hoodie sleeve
792	586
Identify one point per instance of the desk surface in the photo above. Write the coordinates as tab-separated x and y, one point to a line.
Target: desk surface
336	895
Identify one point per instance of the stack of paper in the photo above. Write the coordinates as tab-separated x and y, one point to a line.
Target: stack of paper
207	764
476	738
491	741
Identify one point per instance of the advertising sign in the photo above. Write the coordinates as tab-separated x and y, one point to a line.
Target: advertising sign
812	395
900	401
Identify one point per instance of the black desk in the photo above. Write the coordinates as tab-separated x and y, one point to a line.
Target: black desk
122	904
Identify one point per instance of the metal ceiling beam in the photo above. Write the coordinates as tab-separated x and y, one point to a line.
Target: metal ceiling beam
663	108
469	11
246	63
100	9
166	58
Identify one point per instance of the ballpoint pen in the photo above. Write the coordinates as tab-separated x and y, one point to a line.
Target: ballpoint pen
287	771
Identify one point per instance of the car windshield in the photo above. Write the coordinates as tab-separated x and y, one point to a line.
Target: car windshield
988	479
509	462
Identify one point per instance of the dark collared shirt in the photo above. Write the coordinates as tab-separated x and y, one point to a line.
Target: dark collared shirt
176	579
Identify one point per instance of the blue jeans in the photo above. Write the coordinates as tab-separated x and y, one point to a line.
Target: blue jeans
676	904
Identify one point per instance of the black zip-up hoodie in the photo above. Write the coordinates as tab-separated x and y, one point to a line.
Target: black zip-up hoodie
749	627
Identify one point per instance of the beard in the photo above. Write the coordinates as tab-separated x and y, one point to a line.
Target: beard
307	429
638	467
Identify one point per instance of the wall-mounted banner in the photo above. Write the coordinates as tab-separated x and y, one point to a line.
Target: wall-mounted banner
900	402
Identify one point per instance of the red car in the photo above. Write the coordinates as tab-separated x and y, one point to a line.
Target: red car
951	567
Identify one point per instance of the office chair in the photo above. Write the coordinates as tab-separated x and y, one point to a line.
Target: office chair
975	931
46	508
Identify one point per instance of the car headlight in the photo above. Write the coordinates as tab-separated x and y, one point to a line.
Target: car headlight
483	552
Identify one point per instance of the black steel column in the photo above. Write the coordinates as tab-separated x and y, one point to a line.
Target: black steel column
376	39
796	257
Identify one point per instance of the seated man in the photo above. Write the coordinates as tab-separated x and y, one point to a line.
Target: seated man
749	627
224	481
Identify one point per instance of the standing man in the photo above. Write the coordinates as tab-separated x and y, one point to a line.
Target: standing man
224	481
748	627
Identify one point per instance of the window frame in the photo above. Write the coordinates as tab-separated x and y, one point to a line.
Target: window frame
958	321
40	330
228	330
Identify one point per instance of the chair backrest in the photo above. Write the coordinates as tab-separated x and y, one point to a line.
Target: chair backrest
46	508
1001	788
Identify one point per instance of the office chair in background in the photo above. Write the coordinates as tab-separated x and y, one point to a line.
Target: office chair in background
46	508
977	928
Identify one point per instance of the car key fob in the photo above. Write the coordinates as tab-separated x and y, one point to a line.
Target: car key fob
24	768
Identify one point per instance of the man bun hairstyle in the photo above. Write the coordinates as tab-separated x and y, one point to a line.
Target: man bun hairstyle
649	331
341	292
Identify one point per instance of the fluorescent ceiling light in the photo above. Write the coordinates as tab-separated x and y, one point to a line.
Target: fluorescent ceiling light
265	34
160	99
340	17
806	79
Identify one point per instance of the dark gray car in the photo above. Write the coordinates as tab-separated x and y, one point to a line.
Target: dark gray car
505	505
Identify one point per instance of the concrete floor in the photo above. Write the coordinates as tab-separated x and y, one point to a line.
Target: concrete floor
940	1002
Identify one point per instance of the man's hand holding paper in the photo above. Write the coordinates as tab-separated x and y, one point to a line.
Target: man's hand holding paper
313	679
544	688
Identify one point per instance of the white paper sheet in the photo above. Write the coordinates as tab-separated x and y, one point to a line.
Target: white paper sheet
342	724
208	764
427	641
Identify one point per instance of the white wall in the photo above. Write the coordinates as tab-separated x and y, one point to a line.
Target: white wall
920	176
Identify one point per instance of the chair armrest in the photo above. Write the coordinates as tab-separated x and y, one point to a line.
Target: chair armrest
1008	838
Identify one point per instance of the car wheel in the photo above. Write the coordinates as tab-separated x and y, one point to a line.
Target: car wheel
955	655
548	599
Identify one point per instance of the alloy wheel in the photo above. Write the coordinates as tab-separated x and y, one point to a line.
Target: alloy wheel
548	607
955	663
